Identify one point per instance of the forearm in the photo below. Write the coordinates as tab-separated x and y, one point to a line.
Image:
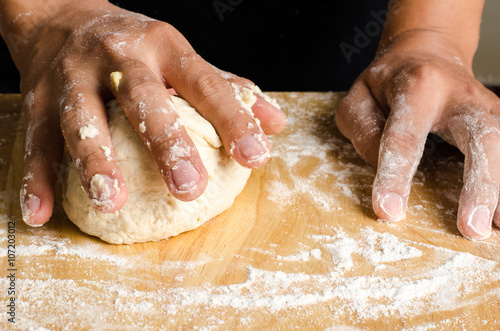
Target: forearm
454	21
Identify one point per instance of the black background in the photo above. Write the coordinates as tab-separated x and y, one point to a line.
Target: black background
280	45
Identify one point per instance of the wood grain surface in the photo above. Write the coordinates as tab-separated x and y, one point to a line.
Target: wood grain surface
299	249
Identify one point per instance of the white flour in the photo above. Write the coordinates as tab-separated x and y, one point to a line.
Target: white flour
335	275
301	256
312	141
449	284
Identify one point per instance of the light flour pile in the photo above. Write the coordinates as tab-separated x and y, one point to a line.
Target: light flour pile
452	281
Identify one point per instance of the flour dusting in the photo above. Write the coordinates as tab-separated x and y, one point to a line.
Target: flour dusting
340	271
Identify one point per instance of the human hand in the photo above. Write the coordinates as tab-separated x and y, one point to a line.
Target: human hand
65	67
420	83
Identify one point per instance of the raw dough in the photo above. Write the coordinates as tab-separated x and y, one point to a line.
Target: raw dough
151	212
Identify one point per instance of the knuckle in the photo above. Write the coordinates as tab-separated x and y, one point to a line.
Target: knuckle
165	31
139	88
37	152
110	43
67	65
417	76
356	116
233	121
160	146
100	39
42	158
171	38
170	150
141	84
210	85
423	72
161	143
89	159
69	118
403	142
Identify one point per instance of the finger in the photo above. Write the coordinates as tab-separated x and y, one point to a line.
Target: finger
496	217
268	112
478	137
401	149
43	153
360	120
220	102
85	129
149	107
265	109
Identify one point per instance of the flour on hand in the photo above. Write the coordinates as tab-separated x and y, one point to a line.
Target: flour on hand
88	131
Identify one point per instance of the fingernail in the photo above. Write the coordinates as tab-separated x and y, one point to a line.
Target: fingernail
102	189
392	205
29	206
252	148
185	175
479	221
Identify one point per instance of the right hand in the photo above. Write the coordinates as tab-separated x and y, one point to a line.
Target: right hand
65	67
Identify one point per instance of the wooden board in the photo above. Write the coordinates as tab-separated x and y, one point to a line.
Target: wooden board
299	249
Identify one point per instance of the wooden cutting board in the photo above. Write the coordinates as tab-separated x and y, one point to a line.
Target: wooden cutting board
299	249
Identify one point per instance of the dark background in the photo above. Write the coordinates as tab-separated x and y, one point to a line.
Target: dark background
280	45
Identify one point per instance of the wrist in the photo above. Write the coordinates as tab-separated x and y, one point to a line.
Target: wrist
20	19
27	25
20	16
436	26
429	42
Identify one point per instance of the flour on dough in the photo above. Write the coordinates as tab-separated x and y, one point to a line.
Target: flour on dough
151	212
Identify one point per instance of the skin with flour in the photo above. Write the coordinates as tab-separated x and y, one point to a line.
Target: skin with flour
421	81
66	50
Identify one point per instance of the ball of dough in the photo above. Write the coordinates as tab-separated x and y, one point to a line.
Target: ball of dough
151	212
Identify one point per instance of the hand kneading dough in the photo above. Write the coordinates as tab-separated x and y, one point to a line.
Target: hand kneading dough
151	212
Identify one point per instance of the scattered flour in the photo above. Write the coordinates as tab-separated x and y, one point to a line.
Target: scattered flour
448	283
359	275
331	158
301	256
341	250
390	248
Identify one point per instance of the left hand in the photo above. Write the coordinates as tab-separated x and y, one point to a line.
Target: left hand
418	84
